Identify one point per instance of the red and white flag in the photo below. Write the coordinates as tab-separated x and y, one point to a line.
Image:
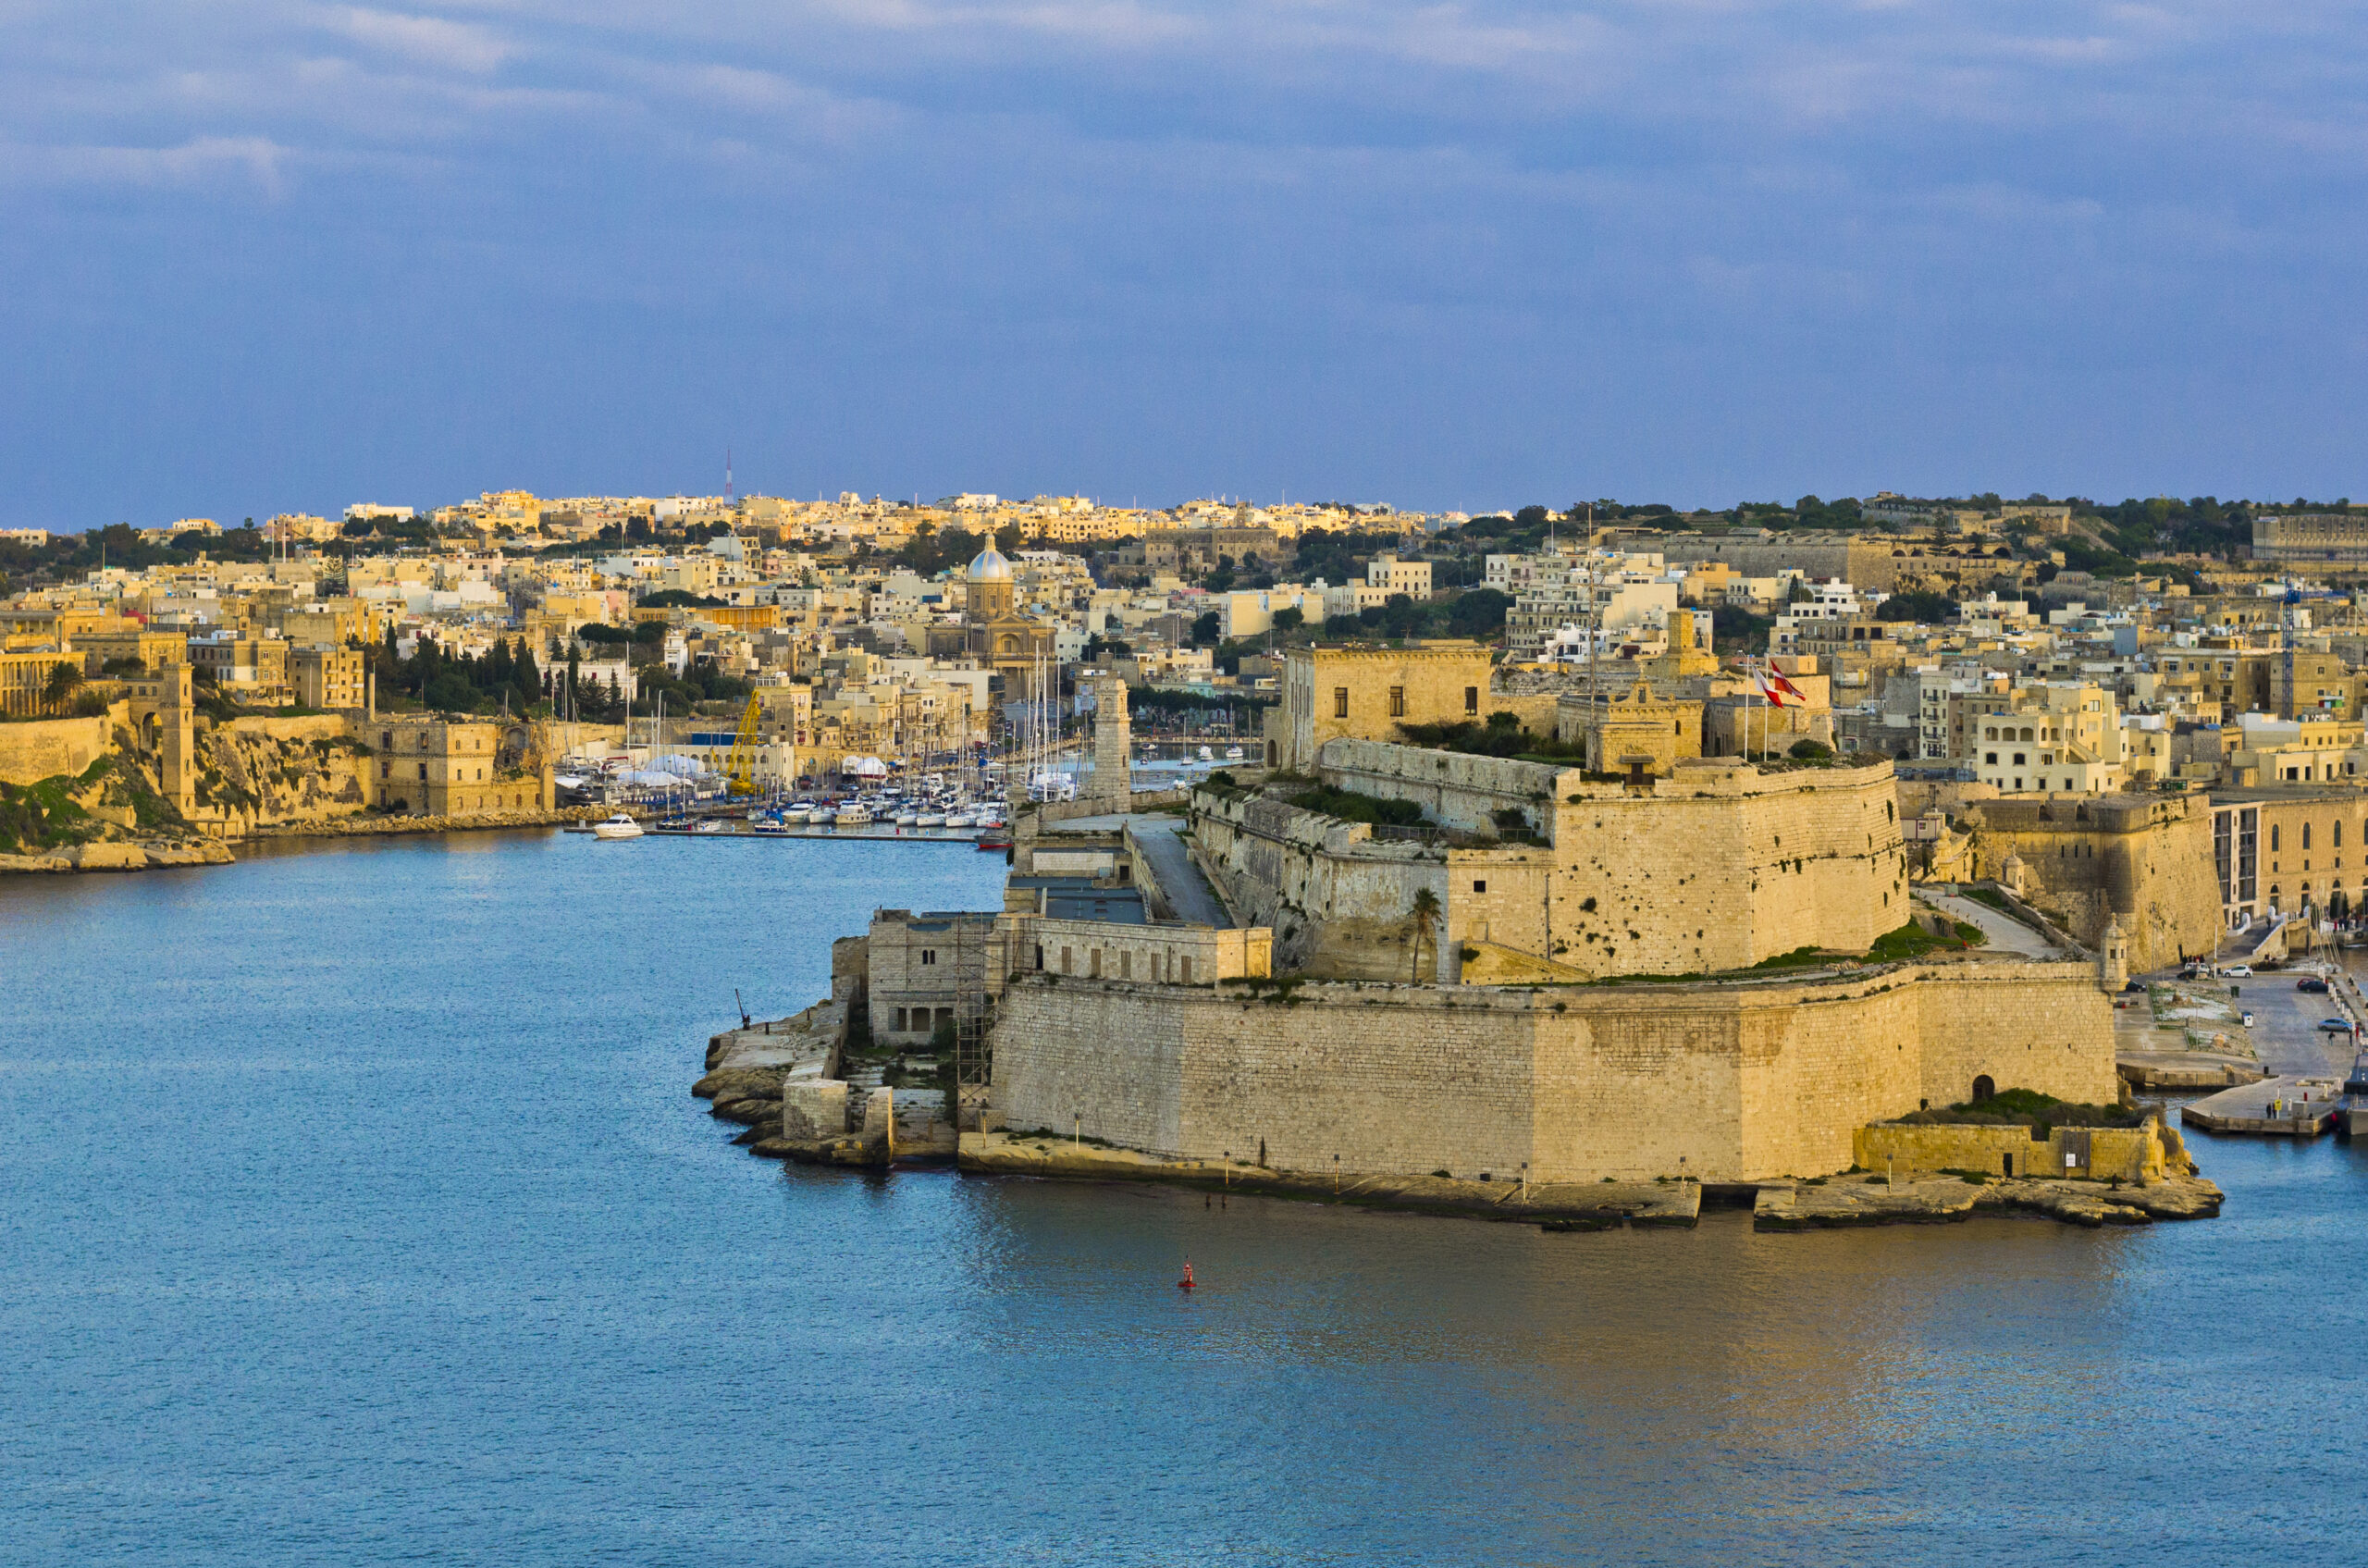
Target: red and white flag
1779	692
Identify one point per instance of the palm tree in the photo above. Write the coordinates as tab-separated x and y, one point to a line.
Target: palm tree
63	679
1426	916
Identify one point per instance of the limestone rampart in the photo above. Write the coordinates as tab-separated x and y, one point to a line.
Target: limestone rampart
1720	1081
1718	866
2145	861
44	749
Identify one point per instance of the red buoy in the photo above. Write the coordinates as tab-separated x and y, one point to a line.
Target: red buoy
1185	1283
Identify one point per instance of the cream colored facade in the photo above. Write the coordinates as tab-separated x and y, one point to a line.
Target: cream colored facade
432	768
2058	738
1393	576
1334	692
328	677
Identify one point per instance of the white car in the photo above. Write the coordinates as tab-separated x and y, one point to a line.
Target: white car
2238	972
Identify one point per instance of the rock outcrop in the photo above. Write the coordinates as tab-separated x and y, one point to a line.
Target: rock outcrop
1845	1201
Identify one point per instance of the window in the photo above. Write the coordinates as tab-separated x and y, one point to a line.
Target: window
1188	971
2273	835
1126	964
1093	963
1398	702
2306	836
2019	758
1339	702
1068	964
1472	699
1990	757
929	954
422	770
900	1020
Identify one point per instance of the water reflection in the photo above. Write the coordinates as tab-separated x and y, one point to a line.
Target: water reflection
356	1212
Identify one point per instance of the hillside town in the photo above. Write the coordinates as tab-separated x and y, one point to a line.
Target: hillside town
2030	758
1994	650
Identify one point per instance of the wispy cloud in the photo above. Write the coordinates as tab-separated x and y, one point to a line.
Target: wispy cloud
433	41
252	161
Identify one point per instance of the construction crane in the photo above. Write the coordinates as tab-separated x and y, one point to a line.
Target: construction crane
2287	618
740	766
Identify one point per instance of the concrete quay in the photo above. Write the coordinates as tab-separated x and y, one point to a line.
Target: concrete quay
2275	1108
1605	1205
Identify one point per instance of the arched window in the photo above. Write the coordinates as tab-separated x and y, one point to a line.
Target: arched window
2306	836
2273	835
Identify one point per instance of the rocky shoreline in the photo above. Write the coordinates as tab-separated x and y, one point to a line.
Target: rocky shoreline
1843	1202
362	827
119	856
141	855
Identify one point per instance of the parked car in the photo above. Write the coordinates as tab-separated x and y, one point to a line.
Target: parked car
2336	1026
2312	985
2239	972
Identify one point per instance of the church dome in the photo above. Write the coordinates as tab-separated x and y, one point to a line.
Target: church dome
990	567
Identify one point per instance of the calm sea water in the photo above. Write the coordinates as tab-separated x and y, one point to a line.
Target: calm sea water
355	1212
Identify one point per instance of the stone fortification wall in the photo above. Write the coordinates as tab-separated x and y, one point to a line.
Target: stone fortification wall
1722	1082
310	727
2145	858
1453	789
1339	901
43	748
1721	866
1717	866
1873	563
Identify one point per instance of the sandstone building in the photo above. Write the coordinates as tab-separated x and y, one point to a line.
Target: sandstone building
434	767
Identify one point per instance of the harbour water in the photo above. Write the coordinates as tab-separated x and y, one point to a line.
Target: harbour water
355	1211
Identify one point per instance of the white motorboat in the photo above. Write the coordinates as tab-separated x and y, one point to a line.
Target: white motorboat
1207	755
799	814
1233	754
620	825
852	815
709	825
910	819
940	820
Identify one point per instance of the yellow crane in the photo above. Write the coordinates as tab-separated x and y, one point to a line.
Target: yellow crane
740	766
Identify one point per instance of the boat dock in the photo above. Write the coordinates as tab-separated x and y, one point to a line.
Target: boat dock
2275	1108
882	833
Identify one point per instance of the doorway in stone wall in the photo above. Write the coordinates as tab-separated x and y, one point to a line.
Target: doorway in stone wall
1984	1088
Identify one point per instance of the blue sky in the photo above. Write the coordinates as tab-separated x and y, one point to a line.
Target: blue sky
257	257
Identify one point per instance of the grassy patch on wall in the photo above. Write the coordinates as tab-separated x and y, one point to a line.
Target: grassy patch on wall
1351	806
2026	1108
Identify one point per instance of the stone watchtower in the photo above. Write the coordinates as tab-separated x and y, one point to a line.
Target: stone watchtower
1113	742
2113	956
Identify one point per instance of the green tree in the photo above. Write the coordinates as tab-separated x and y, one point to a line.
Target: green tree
1425	918
65	678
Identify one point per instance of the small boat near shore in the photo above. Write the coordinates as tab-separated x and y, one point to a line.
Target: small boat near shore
620	825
